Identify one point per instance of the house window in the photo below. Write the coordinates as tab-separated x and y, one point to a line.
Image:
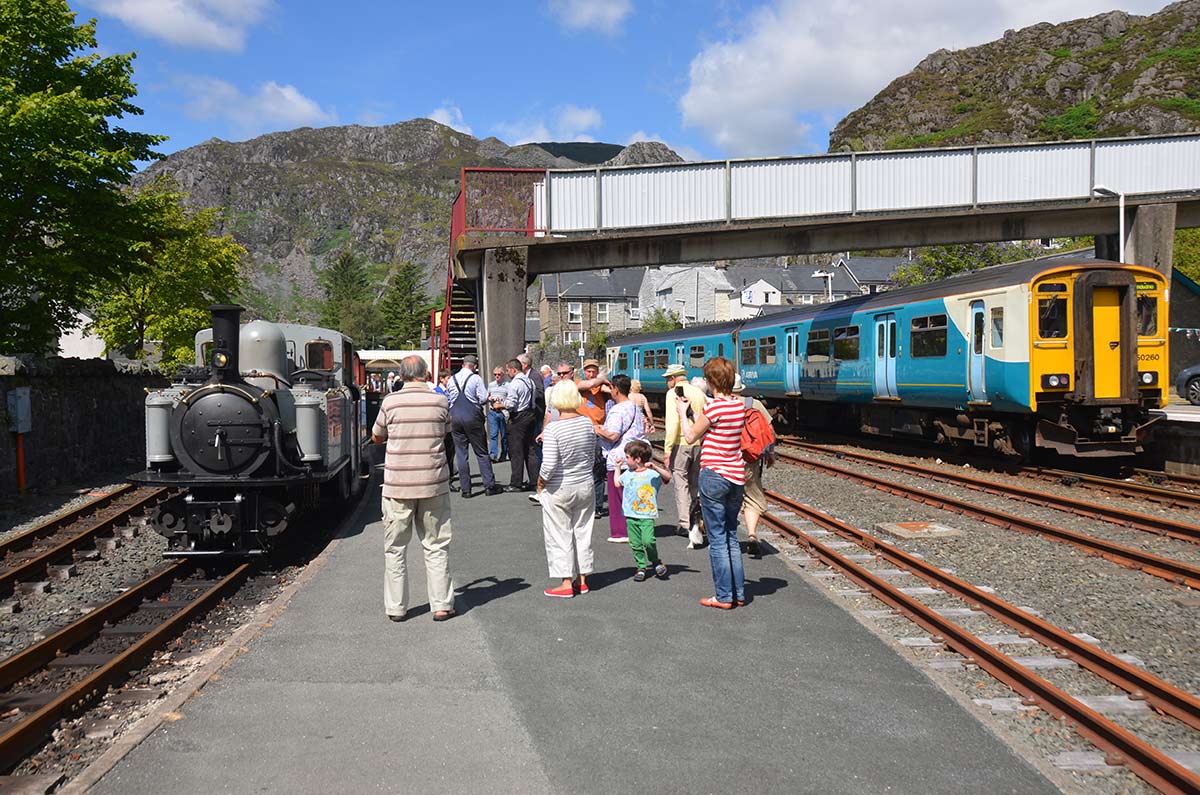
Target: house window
696	356
845	343
635	309
818	345
928	336
766	350
572	336
749	351
601	313
574	312
807	298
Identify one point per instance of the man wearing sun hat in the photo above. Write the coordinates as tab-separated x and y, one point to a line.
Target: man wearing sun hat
684	458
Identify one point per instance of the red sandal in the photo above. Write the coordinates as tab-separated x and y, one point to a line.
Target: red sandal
711	601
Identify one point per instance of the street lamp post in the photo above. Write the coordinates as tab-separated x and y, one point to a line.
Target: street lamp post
828	277
682	311
1120	197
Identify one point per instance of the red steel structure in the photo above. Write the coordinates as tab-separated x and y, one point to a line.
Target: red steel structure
492	201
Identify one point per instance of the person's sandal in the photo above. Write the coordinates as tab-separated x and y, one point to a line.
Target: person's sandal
444	615
660	571
752	546
639	575
711	601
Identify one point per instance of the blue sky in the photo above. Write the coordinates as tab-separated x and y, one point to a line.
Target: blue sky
711	78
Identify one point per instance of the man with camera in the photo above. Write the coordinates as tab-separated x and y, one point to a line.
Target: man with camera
684	458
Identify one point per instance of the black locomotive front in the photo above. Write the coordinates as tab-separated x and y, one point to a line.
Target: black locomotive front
230	448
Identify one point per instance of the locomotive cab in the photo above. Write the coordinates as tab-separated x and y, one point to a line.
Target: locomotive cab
1098	357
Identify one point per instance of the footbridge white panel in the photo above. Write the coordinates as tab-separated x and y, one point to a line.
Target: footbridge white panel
739	191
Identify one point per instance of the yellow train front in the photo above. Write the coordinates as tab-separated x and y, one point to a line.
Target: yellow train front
1098	357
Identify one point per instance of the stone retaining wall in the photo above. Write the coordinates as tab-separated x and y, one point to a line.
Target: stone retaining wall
1177	446
88	417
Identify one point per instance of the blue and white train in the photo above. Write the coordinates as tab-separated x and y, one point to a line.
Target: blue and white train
1051	354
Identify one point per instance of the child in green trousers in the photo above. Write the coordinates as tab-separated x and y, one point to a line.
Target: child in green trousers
639	484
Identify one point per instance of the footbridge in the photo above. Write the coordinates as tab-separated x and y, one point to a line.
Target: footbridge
510	225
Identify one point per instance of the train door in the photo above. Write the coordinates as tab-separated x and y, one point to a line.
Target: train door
1106	341
975	369
885	356
679	353
636	363
791	370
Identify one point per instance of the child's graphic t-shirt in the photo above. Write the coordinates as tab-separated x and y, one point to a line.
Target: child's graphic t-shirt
639	493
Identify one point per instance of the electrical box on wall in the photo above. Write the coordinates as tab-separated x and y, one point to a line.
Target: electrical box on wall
20	416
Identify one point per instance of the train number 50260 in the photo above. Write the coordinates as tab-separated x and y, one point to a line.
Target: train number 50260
1147	357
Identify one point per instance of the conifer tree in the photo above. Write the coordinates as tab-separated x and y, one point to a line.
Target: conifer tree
404	307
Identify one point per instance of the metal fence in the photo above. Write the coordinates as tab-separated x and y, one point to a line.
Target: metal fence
728	191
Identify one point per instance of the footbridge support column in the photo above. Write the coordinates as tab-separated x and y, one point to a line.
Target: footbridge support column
1149	238
504	280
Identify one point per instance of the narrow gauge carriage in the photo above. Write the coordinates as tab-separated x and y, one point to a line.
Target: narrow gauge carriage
272	425
1048	355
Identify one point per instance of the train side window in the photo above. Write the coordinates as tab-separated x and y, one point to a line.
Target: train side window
623	361
928	336
1147	315
1052	318
977	334
696	356
750	351
818	345
721	349
997	327
319	355
845	343
766	350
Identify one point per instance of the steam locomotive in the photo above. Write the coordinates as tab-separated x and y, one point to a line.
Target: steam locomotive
269	424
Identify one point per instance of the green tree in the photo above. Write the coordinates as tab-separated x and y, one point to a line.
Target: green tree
65	220
349	305
404	307
167	301
658	319
940	262
1187	253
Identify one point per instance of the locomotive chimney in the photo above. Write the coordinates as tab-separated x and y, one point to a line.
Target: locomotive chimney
227	329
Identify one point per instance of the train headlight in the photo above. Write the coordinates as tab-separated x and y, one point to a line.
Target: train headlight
1056	381
1148	378
220	359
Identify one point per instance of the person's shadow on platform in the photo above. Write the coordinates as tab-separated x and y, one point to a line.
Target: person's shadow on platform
764	586
483	590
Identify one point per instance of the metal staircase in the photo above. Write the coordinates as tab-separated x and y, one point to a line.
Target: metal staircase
462	332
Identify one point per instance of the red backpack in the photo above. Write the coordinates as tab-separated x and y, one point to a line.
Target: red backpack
757	434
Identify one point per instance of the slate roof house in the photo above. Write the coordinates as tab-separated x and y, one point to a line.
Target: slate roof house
573	307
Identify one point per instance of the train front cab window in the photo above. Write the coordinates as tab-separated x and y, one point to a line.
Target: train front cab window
1151	344
318	355
1053	311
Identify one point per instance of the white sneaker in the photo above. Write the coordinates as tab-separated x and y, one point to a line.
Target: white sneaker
618	540
695	537
535	497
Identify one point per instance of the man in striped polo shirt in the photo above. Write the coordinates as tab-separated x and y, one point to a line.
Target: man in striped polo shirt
416	494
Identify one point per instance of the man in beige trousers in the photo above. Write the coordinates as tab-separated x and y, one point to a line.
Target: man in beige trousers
416	489
682	458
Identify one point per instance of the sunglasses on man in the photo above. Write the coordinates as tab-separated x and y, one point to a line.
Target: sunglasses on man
565	372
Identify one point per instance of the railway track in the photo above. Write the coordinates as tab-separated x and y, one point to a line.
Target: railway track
1133	489
1121	745
1108	513
1157	565
64	674
1179	481
28	555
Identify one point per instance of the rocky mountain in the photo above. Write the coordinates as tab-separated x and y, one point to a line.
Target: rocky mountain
295	199
1111	75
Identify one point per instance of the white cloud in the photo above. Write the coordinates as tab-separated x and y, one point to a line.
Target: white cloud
794	57
604	16
451	116
209	24
571	123
271	107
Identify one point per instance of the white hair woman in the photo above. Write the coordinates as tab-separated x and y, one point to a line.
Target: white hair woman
566	492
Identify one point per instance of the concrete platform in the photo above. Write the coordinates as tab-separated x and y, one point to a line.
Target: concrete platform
632	687
1180	412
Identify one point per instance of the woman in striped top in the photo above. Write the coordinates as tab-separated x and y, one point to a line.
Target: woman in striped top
566	492
722	479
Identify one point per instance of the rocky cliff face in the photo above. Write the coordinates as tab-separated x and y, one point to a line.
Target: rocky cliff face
1111	75
294	199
